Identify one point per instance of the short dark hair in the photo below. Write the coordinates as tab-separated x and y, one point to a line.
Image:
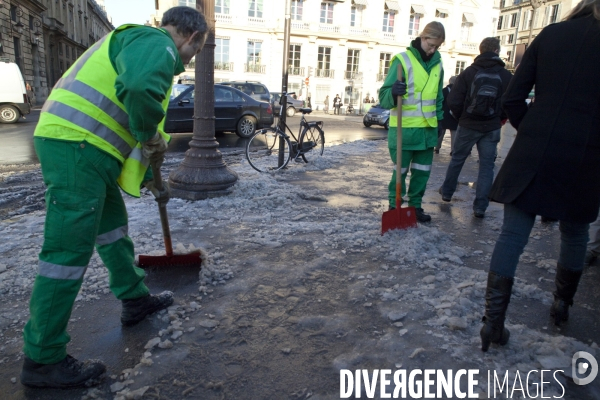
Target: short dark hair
186	20
489	44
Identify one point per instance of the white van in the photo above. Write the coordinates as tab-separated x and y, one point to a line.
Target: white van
14	102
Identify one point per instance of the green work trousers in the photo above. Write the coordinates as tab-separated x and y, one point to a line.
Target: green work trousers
420	168
84	208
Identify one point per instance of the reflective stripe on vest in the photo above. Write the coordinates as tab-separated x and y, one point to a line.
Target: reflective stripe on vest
85	101
419	102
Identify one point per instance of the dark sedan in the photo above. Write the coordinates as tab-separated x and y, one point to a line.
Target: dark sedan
293	105
235	111
377	116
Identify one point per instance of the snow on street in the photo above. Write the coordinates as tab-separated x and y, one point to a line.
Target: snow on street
298	284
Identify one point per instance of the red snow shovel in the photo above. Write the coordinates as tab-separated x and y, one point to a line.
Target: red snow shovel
169	260
399	218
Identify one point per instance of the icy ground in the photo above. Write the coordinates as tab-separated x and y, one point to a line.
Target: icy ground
298	283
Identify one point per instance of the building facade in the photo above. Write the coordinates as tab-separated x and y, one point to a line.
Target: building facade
343	47
520	21
45	37
70	27
21	42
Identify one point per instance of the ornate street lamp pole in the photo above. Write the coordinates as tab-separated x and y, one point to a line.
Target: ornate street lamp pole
203	173
535	4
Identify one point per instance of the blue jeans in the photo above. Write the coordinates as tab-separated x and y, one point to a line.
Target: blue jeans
515	234
486	147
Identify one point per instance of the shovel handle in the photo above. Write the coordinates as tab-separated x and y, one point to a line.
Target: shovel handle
162	209
399	142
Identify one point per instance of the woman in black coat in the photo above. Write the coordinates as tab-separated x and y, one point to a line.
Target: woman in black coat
553	167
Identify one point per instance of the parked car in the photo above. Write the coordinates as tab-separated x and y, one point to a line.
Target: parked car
234	111
254	89
377	116
293	105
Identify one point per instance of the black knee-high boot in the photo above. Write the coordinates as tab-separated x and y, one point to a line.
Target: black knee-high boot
566	282
497	297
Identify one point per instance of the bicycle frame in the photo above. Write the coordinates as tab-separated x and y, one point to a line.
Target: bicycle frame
283	128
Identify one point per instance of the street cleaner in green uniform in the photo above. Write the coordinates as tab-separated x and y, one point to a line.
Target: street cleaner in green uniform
421	88
98	132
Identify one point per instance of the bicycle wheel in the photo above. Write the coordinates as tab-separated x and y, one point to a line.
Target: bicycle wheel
264	153
312	141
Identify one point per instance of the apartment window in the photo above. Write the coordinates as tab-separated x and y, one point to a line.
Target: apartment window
527	19
460	67
500	20
67	51
465	31
324	58
510	38
326	13
255	9
254	49
502	3
60	48
384	63
188	3
509	55
554	13
297	9
13	13
17	49
413	24
356	16
221	50
513	20
294	56
352	60
441	14
388	21
222	6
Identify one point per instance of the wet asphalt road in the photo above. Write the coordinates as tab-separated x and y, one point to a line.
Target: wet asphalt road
17	139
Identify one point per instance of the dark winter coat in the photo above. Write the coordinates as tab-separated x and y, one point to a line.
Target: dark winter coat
462	86
553	167
449	122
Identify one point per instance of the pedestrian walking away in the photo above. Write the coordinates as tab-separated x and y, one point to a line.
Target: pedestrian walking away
421	111
337	103
98	131
475	100
553	166
449	122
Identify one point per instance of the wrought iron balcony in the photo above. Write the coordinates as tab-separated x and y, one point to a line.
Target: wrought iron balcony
256	68
223	66
296	71
324	73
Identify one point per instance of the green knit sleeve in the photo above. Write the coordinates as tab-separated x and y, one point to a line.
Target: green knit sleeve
146	60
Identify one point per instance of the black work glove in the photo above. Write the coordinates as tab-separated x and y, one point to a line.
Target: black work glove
398	89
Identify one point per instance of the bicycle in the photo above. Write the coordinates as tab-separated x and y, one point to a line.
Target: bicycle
271	149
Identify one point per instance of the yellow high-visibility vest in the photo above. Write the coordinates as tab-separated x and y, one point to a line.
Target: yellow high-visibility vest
419	102
85	100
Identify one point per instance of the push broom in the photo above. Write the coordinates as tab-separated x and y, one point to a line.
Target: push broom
399	218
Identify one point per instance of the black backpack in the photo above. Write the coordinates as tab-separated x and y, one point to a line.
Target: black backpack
483	100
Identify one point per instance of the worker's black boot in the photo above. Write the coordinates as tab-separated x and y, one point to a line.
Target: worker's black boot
68	373
497	297
135	310
566	281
